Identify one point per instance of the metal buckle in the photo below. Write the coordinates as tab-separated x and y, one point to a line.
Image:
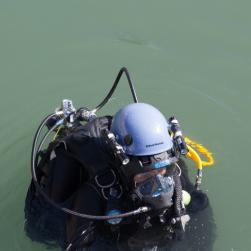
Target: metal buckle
110	192
109	185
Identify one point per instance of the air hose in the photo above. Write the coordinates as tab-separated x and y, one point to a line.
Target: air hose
40	190
201	149
36	149
192	154
114	86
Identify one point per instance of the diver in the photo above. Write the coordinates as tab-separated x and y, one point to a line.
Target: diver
109	174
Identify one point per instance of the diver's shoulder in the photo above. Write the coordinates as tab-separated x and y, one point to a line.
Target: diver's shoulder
95	126
92	129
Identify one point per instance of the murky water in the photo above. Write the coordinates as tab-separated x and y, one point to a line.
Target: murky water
188	58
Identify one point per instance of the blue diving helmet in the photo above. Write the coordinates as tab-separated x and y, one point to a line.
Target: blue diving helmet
142	131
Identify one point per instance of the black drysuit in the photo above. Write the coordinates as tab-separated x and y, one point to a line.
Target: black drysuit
79	171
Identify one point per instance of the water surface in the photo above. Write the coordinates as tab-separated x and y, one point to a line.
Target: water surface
188	58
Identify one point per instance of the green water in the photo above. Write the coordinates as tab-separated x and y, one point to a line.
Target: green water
188	58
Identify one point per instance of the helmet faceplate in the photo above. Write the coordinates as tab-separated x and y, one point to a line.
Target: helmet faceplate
141	129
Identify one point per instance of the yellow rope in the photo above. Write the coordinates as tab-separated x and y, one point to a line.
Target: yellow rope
55	136
192	154
202	150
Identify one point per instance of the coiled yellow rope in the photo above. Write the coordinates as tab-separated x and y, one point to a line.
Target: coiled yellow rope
195	156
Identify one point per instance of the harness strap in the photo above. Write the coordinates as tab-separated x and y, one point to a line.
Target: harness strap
108	184
178	205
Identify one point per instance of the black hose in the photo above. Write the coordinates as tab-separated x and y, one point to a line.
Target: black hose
66	210
110	93
45	137
35	152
